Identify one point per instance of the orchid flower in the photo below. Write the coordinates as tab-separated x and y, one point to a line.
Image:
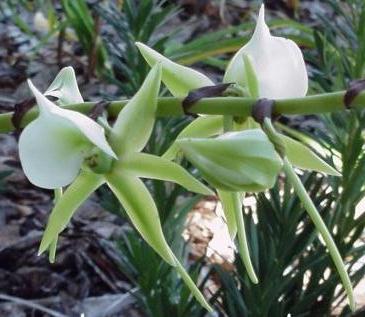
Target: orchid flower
61	134
266	67
277	63
53	147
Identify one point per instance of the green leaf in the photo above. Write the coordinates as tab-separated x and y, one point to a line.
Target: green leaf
150	166
142	211
179	80
202	127
301	156
228	205
84	185
134	124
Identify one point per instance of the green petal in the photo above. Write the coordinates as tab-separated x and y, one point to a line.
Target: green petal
134	124
242	238
179	80
84	185
142	211
65	88
201	127
228	204
301	156
150	166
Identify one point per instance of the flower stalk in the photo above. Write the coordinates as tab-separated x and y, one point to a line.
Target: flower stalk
234	106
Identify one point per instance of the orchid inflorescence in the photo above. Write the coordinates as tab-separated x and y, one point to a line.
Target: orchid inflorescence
65	148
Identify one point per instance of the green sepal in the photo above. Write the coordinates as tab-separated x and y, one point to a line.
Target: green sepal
250	77
134	124
228	205
192	286
302	157
154	167
179	80
201	127
142	211
83	186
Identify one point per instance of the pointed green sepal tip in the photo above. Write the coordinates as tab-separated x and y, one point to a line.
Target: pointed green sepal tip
303	157
155	167
134	124
178	79
192	286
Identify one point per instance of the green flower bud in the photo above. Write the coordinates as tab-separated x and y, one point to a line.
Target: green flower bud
236	161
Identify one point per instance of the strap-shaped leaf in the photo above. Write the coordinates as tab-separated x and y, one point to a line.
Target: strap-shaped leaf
134	124
228	204
83	186
151	166
301	156
142	211
202	127
179	80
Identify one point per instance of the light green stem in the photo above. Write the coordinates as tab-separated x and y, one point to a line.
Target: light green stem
233	106
53	246
322	229
242	239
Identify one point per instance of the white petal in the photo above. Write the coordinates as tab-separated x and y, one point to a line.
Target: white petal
89	128
50	151
65	88
179	80
278	63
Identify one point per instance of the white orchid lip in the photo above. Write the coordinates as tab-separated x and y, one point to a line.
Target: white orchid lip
65	88
52	148
278	64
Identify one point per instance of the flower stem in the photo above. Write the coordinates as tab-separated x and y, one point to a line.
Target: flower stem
233	106
322	229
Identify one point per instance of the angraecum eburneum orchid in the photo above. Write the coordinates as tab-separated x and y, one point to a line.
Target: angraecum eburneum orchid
267	67
63	148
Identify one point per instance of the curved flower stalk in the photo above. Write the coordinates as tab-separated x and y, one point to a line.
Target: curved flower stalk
123	166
